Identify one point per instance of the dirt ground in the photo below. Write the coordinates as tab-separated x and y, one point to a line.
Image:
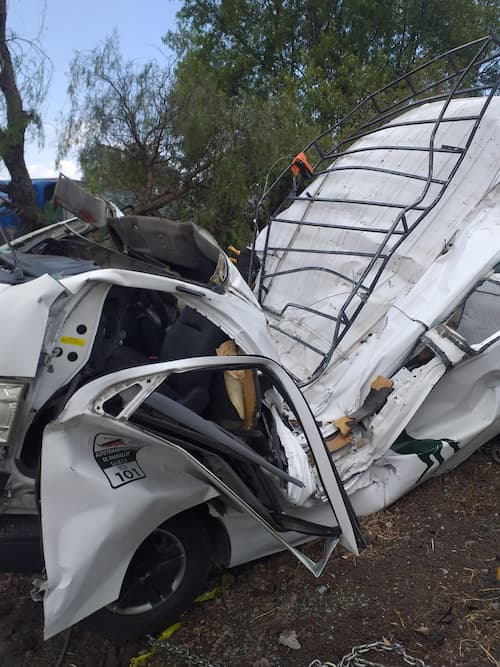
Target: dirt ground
428	579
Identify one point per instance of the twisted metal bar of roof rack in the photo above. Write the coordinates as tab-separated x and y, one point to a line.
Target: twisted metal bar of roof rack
485	53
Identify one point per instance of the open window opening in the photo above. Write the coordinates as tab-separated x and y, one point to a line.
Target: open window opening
473	325
140	327
137	327
477	320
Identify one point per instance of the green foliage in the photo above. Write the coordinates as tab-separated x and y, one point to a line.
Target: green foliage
254	81
279	71
244	134
329	53
190	150
120	123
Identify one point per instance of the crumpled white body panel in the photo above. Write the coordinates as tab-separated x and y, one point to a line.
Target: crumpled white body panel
441	288
476	176
91	529
455	246
25	312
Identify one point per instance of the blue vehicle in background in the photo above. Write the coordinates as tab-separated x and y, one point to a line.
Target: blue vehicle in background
43	189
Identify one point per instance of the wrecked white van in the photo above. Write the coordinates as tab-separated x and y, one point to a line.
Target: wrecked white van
158	414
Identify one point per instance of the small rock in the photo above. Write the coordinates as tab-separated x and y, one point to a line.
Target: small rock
423	630
289	639
322	590
443	571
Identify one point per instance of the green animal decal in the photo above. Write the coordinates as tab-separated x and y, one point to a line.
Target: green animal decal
428	451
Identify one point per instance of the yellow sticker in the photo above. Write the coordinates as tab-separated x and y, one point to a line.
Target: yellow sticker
69	340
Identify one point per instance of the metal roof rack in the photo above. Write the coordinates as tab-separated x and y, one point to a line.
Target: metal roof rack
471	69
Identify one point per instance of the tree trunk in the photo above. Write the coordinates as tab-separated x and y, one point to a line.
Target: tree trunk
12	136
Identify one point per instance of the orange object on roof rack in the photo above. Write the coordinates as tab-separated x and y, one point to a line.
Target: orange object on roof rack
300	165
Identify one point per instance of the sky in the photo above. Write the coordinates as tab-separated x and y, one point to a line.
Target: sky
67	26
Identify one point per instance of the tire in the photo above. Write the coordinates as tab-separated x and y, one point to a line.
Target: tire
166	573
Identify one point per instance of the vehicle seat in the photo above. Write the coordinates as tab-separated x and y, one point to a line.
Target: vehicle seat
191	335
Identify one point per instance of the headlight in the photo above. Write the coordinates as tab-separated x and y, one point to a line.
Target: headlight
10	398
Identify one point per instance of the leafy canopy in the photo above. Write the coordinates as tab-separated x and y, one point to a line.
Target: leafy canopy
120	122
254	80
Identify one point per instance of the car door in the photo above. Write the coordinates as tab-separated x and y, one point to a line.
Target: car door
127	453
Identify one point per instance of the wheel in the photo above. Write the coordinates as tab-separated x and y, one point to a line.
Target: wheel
164	576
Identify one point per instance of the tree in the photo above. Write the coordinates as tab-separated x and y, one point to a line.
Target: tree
248	137
182	147
281	71
330	53
120	122
13	57
254	81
